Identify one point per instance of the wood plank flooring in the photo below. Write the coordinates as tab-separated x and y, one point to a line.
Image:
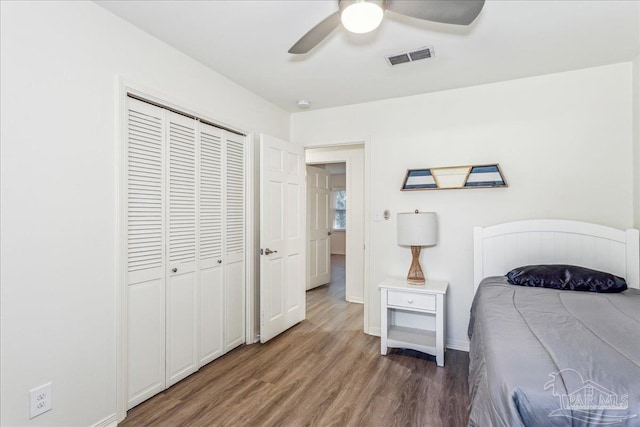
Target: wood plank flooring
323	372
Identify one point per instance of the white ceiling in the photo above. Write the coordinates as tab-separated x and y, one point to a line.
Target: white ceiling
247	41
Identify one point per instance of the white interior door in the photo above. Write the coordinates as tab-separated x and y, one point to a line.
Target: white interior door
282	236
319	227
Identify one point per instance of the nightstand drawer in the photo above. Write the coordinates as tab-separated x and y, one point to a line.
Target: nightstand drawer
411	300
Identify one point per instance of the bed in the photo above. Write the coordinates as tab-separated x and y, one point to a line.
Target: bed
548	357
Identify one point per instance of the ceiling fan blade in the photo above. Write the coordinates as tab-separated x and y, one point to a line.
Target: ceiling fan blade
316	34
459	12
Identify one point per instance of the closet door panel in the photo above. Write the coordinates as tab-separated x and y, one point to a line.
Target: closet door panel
234	198
145	189
234	304
144	148
181	337
211	256
146	342
234	241
182	295
211	314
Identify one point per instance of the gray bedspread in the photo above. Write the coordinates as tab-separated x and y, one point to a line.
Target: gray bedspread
543	357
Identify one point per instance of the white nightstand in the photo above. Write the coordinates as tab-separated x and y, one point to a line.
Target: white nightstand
413	316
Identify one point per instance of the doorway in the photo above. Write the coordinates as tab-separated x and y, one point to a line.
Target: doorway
352	157
326	224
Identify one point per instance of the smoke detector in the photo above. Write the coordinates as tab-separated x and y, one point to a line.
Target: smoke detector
411	56
304	104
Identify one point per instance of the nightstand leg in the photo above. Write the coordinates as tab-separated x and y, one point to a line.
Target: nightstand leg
440	330
384	320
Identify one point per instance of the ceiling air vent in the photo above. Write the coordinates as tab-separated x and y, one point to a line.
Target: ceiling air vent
398	59
411	56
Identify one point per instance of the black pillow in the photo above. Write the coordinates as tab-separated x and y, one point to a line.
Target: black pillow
566	277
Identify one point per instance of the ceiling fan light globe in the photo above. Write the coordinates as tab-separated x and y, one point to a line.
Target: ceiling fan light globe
361	17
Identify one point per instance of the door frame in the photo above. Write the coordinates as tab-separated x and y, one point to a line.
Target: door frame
123	88
331	154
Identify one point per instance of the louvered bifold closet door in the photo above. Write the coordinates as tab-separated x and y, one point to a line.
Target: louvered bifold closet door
234	240
211	255
182	277
144	166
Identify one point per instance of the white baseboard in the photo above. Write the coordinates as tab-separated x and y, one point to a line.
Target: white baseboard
110	421
461	345
356	300
375	332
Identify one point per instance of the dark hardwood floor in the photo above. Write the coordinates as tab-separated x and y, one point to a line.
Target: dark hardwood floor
323	372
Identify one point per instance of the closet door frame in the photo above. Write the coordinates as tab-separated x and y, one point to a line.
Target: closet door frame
124	88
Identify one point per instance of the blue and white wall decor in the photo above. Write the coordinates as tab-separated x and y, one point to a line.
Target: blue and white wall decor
454	177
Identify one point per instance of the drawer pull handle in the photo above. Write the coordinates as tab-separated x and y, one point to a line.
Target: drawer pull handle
410	301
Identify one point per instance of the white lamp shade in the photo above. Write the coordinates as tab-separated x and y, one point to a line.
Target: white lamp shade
417	229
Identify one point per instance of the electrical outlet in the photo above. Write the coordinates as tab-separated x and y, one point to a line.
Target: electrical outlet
40	400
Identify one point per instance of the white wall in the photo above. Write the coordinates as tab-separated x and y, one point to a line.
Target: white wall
338	242
563	141
59	68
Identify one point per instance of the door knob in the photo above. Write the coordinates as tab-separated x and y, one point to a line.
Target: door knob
269	252
328	233
219	261
174	269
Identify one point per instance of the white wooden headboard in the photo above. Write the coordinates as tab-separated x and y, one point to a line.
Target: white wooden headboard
503	247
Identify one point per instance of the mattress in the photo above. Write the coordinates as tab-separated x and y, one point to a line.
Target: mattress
545	357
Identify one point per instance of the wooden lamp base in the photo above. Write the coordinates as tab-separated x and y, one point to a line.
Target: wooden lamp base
415	276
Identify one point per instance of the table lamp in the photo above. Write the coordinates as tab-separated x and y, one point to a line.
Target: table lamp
417	229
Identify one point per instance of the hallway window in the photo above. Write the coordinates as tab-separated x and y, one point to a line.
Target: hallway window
340	209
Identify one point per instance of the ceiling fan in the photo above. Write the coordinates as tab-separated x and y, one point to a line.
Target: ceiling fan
362	16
